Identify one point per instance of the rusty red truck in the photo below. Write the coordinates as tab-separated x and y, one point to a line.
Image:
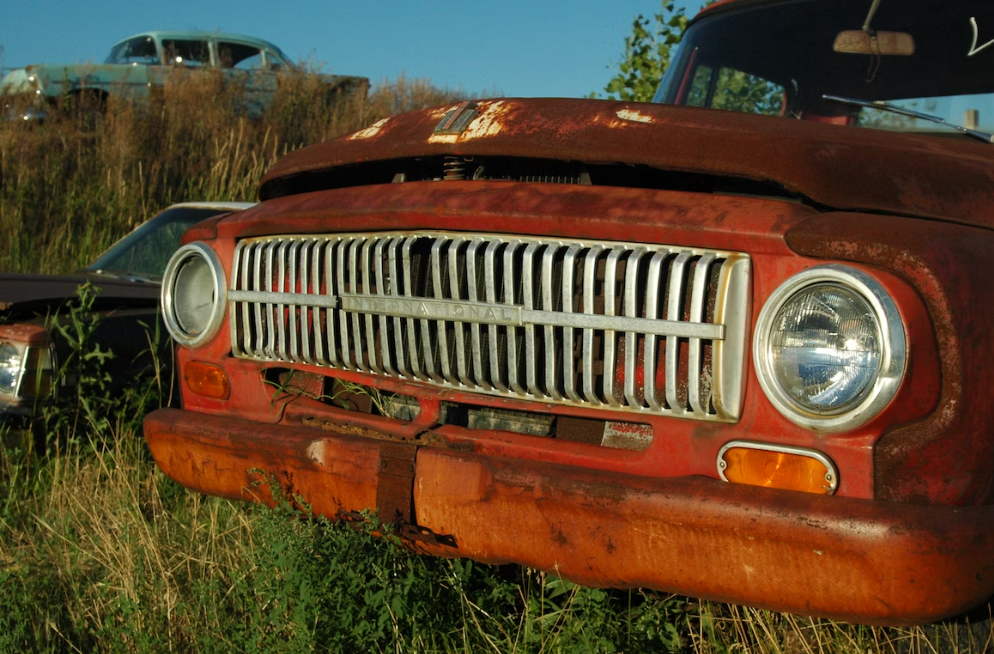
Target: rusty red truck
734	344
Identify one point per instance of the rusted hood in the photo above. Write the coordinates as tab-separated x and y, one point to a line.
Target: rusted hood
18	289
838	167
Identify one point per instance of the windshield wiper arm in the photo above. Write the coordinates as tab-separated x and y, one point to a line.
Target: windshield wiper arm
893	108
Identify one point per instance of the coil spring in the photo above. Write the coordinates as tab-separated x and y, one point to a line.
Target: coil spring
454	168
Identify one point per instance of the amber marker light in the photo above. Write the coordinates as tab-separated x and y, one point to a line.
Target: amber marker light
206	380
777	466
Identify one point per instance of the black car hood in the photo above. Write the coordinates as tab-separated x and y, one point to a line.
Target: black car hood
17	289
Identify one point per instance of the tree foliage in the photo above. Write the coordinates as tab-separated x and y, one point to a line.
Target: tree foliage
647	54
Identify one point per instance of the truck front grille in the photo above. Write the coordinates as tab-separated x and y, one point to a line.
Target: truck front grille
619	326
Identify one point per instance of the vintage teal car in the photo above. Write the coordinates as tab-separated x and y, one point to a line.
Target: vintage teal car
141	63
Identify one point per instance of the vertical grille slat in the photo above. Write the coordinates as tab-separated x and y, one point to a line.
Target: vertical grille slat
513	358
476	343
312	285
412	339
589	291
528	288
271	322
610	336
329	314
459	328
356	336
395	292
490	287
631	338
294	345
653	283
568	288
623	326
438	272
343	254
381	289
238	284
702	272
366	270
674	312
549	341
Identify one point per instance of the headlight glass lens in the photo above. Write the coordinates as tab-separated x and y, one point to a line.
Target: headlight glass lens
194	295
825	348
10	367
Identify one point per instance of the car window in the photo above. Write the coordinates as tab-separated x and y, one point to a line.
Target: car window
146	251
239	56
277	61
140	50
191	54
974	111
734	90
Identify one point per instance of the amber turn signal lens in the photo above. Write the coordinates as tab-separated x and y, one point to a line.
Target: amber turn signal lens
789	469
207	380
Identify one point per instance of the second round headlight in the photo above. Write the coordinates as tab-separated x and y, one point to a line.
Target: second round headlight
830	348
193	294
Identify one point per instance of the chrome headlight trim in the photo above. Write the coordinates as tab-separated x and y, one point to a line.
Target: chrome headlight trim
892	340
217	287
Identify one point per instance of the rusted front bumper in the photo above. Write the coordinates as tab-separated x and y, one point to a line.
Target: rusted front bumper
858	560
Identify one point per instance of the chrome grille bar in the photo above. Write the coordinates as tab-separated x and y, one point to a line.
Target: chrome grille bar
625	326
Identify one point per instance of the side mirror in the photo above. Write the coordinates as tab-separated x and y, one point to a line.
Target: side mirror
881	43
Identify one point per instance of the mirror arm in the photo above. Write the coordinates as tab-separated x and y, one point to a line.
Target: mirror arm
869	17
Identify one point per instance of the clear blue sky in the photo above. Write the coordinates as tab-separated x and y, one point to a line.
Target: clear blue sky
563	48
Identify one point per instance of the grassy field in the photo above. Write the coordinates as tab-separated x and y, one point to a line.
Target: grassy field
100	552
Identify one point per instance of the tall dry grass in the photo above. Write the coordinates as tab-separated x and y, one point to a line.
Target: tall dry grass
71	186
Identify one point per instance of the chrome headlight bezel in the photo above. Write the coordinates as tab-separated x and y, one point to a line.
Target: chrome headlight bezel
217	287
890	373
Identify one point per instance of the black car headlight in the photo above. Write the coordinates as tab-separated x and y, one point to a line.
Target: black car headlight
25	370
830	348
11	368
193	294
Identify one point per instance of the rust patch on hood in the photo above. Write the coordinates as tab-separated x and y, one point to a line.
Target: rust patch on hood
489	122
370	132
634	116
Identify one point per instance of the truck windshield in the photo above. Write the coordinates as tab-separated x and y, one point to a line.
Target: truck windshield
779	58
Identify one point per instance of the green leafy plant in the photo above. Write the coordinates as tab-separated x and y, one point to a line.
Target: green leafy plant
647	54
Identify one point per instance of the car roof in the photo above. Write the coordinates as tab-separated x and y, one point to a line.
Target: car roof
202	34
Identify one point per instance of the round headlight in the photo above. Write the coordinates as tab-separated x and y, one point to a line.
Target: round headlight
825	348
193	294
830	348
10	368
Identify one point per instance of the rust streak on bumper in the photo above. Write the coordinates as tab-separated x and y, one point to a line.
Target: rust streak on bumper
860	560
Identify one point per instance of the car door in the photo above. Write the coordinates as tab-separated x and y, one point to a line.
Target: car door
180	56
246	71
